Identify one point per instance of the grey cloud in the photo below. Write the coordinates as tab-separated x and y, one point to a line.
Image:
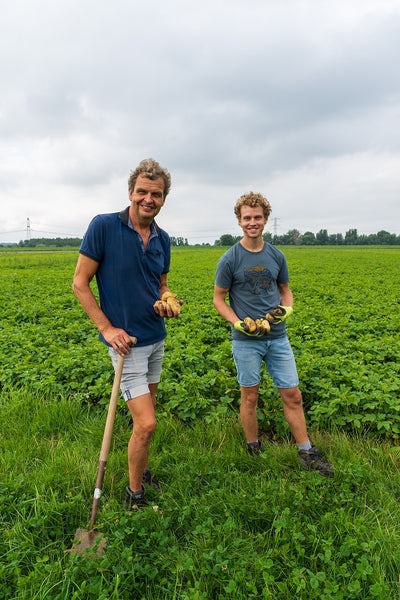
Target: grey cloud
227	95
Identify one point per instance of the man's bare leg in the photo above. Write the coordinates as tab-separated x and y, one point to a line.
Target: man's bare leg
142	410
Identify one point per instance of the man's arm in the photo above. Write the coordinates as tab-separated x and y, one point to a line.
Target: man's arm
85	271
221	305
163	284
285	294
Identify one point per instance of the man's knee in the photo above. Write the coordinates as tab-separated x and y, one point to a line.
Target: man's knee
144	429
149	427
249	397
291	397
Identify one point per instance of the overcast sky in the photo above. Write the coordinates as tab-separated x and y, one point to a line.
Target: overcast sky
298	100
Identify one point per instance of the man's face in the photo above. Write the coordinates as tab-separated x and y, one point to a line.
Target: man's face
252	221
146	199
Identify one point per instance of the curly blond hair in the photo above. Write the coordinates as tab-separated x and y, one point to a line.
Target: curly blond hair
152	170
253	200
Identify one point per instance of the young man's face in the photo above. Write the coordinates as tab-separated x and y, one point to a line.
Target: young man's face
252	221
146	199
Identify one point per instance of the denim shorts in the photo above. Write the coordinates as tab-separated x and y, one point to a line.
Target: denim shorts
278	356
142	366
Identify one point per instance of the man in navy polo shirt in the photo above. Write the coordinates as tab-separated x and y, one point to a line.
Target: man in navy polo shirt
130	257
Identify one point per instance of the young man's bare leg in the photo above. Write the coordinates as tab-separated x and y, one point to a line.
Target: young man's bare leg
294	414
248	412
309	455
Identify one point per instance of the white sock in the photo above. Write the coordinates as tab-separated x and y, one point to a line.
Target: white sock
305	446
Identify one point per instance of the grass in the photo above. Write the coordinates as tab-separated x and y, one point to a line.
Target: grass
227	525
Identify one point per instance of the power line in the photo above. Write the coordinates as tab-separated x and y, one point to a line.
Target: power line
57	233
28	229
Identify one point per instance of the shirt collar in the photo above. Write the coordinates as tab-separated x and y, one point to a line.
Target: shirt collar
124	216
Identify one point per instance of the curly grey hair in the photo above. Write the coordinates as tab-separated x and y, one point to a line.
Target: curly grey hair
152	170
253	200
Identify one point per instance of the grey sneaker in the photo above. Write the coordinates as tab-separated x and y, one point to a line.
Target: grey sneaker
135	500
254	448
313	461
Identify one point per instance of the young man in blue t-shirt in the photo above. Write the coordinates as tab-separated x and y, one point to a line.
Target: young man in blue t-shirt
255	276
130	257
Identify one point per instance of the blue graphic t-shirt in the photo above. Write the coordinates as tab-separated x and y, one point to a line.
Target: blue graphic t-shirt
252	280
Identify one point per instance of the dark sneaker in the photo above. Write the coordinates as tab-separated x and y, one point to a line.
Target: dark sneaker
135	500
313	461
151	480
254	448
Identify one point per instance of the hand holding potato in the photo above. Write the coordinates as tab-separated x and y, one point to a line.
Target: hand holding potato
168	300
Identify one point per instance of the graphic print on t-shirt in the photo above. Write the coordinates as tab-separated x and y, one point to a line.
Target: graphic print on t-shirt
258	278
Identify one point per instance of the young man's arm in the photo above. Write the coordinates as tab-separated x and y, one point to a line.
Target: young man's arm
85	271
221	305
286	294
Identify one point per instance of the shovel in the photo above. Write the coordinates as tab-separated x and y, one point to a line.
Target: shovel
86	539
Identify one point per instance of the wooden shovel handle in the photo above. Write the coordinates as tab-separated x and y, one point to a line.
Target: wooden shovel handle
105	446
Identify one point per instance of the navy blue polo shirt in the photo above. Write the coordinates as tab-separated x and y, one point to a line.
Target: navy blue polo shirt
128	276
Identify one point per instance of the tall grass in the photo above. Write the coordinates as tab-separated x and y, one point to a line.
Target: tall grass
225	525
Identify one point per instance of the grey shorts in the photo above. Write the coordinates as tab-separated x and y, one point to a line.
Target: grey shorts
142	366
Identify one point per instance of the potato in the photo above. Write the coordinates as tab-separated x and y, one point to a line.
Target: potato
263	324
250	324
170	299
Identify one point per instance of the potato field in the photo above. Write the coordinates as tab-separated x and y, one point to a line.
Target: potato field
345	334
225	524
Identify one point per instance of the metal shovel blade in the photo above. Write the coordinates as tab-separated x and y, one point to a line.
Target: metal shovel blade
88	539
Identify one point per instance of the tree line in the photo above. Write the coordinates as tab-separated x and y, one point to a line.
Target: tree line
76	242
294	238
58	242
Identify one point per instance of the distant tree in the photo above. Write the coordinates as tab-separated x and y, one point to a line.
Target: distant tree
351	237
227	240
295	237
267	237
335	239
363	240
308	238
283	240
384	237
339	238
322	237
178	241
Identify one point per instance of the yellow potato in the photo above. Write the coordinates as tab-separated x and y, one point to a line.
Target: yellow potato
161	303
263	324
248	321
170	299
